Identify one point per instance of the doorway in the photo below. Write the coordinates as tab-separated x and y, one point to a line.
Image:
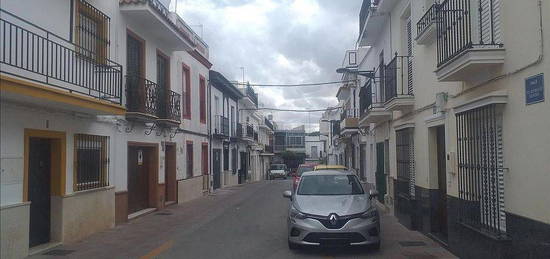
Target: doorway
362	161
216	167
39	191
170	188
440	228
244	169
142	177
380	174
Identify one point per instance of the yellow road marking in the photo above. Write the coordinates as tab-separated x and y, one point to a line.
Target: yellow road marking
157	251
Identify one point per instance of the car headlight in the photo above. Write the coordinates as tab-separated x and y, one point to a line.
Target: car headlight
370	213
294	213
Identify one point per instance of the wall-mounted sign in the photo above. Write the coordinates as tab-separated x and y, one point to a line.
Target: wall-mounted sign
140	157
534	89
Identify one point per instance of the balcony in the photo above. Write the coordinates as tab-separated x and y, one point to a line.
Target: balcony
349	122
372	17
43	69
169	110
469	46
221	126
239	131
154	18
249	131
251	97
372	108
426	26
398	84
142	98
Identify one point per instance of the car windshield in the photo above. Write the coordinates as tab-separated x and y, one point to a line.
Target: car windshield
303	169
329	185
277	167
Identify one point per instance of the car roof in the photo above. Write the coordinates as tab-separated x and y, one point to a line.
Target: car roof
308	165
330	167
329	172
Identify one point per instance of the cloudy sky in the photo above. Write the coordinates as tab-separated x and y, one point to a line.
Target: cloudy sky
278	42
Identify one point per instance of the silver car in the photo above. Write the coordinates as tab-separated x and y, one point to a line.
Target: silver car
330	208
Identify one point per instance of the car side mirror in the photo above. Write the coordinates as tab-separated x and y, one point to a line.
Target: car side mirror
373	193
287	194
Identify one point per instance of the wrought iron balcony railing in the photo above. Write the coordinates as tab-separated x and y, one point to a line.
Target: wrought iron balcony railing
249	131
31	52
399	78
252	95
142	95
221	125
239	132
427	19
169	106
456	26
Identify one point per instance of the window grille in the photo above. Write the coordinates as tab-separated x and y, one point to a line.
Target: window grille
405	162
480	168
92	31
91	161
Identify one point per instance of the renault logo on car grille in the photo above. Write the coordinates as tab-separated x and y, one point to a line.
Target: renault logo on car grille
333	219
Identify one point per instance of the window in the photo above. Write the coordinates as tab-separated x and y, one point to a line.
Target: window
204	158
92	31
329	185
202	98
189	159
91	161
481	169
186	82
404	145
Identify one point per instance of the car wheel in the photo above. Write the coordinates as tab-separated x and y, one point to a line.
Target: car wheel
292	246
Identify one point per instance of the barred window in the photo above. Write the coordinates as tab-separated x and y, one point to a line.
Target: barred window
91	161
189	159
404	145
91	31
481	169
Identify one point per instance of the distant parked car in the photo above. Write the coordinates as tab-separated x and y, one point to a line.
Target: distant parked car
278	171
301	169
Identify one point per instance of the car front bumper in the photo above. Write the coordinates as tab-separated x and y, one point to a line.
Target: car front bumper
355	232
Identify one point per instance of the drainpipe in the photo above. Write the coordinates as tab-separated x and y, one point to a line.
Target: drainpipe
210	160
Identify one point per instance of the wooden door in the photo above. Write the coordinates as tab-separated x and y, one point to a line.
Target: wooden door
170	173
39	191
138	179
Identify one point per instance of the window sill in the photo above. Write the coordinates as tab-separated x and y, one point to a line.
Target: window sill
76	193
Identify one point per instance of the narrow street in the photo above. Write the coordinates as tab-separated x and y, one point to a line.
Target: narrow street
247	221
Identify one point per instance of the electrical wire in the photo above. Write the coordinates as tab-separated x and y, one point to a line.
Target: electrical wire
289	110
295	85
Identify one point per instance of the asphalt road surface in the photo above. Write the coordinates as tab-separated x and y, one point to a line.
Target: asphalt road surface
247	221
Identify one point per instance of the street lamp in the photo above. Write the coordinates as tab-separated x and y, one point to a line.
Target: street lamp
366	73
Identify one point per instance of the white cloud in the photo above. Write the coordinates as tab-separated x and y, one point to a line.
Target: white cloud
279	42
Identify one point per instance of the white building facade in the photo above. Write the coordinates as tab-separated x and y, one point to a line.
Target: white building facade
444	99
101	121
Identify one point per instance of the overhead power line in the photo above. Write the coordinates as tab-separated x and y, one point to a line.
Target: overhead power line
290	110
296	85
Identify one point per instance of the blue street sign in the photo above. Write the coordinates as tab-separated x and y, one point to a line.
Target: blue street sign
534	89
